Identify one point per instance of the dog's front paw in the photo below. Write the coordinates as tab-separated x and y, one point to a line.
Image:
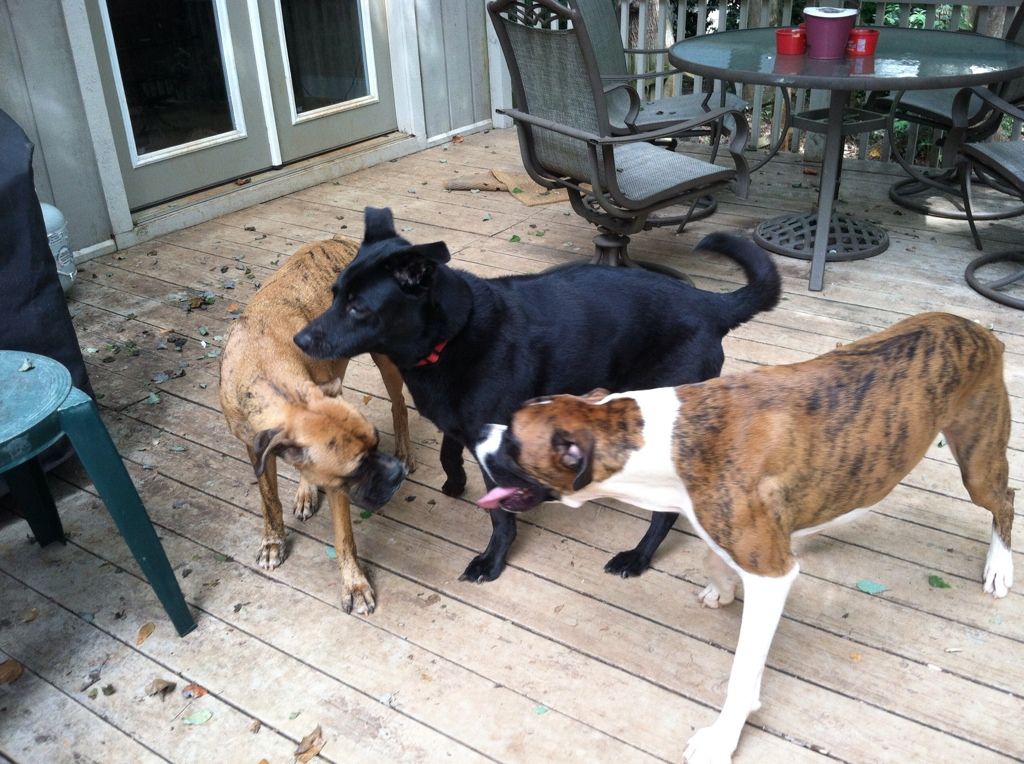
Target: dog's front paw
708	746
455	485
998	570
271	554
307	499
482	568
627	564
711	597
357	597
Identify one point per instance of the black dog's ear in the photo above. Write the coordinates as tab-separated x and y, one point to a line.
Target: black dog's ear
379	225
576	451
414	267
437	251
275	441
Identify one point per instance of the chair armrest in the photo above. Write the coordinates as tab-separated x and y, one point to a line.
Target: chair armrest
646	75
629	119
651	135
962	100
646	51
708	117
547	124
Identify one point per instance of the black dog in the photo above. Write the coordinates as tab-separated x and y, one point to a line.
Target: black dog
471	349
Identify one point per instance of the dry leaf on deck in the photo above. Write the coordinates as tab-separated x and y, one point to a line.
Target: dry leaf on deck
255	726
161	687
193	690
310	745
144	631
457	139
10	670
30	615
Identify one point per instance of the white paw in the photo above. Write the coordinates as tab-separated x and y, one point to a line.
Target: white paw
998	582
707	746
712	598
998	569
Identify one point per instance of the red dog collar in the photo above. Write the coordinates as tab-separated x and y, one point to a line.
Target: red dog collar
434	355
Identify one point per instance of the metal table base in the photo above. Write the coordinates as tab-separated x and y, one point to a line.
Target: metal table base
794	235
848	238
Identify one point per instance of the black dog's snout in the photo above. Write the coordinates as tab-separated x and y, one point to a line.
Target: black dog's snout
308	339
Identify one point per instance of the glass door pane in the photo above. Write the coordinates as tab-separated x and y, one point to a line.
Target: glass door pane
181	83
326	60
330	72
172	73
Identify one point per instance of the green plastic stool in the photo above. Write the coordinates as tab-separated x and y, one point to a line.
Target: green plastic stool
38	405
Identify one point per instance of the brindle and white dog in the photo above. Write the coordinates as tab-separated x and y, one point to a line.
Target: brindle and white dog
755	459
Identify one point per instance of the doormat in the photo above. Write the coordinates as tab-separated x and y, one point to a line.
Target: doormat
527	191
519	184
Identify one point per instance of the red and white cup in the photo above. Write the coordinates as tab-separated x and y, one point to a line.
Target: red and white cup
862	41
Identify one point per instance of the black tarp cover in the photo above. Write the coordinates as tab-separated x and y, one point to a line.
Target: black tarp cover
33	314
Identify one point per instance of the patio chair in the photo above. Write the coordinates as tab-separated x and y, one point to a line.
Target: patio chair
603	29
567	138
659	113
999	161
934	109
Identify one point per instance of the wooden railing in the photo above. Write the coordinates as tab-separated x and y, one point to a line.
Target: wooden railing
659	23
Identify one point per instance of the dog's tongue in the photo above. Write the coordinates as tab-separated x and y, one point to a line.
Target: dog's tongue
494	497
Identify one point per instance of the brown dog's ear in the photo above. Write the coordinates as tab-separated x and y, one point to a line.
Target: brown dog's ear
332	389
275	441
595	395
576	451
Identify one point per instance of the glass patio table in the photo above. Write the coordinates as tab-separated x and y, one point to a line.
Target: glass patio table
905	59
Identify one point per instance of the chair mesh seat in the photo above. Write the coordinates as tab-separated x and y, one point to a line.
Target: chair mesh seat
1007	157
643	170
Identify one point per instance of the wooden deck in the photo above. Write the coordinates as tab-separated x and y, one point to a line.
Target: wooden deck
557	660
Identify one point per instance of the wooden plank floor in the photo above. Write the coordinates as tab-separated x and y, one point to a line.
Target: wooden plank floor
557	660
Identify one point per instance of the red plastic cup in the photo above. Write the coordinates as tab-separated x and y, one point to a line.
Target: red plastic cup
790	41
862	41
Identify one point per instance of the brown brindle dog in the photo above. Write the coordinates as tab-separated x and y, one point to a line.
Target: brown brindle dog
282	403
755	459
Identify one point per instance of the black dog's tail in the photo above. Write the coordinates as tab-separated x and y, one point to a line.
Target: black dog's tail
764	286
